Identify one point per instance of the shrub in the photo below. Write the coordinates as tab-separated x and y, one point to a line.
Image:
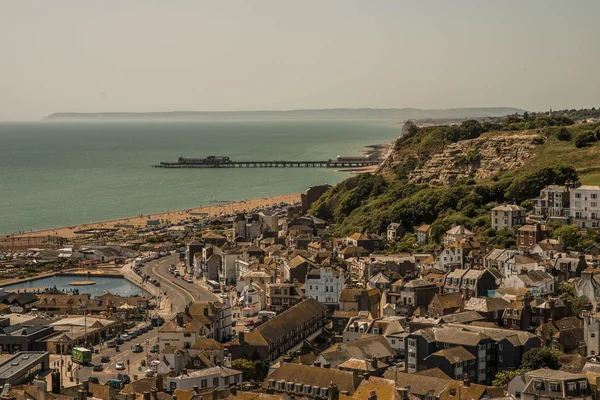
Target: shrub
563	134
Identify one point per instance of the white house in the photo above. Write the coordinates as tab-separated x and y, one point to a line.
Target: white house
217	378
254	299
585	206
325	285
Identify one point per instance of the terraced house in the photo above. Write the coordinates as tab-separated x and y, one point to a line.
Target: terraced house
283	333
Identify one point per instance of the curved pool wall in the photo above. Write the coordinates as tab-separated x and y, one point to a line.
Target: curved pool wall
114	285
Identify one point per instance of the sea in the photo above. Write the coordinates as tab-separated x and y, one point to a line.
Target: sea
114	285
55	174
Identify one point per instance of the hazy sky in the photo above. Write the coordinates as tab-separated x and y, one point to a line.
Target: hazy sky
87	56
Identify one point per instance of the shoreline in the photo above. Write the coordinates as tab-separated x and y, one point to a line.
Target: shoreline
380	150
171	216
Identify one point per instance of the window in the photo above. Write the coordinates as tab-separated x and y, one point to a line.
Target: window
594	204
593	335
393	341
572	386
516	312
197	363
411	366
412	342
594	196
577	195
215	382
500	347
500	358
204	383
518	395
582	384
554	387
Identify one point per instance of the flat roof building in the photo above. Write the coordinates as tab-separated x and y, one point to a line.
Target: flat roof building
23	366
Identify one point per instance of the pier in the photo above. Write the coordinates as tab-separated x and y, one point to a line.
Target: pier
225	162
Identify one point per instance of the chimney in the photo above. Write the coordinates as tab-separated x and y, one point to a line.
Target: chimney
206	310
81	395
333	393
154	393
86	386
233	390
372	395
187	310
466	381
174	397
146	395
179	319
196	390
241	337
403	392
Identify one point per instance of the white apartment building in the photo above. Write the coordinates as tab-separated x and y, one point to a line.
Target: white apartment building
217	378
585	206
325	285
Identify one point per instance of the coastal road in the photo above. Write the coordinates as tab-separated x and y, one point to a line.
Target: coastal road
150	338
180	292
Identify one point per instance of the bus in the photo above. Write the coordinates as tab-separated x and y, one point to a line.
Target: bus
213	286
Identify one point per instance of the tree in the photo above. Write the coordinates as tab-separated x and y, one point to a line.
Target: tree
579	304
569	235
540	358
246	366
504	377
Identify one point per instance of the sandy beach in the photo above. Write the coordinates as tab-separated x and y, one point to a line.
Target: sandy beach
171	216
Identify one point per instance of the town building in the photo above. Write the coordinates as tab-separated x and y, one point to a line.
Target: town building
552	204
214	378
17	337
281	296
548	383
584	206
530	235
305	381
423	233
23	367
311	195
456	234
395	231
367	241
507	215
325	285
283	333
361	300
495	349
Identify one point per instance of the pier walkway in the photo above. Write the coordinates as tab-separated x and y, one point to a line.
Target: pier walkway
270	164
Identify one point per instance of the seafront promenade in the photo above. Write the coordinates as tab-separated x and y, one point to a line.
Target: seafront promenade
171	216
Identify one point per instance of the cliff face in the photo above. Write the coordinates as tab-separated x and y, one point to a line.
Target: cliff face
477	158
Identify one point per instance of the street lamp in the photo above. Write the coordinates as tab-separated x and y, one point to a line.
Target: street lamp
147	356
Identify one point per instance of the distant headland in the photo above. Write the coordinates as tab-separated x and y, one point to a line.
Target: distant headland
397	114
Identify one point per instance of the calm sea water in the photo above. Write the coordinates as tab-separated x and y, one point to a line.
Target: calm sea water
59	174
119	286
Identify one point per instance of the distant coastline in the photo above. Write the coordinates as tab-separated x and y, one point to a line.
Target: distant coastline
395	114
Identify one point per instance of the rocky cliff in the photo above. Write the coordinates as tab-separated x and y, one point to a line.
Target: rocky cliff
477	158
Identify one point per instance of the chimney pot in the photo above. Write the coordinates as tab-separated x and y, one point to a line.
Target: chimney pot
196	389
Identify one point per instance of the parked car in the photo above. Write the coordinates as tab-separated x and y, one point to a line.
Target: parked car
98	367
124	378
149	327
111	344
249	323
125	338
143	329
120	366
154	349
105	359
119	341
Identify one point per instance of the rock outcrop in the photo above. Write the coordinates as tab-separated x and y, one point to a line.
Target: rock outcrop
477	158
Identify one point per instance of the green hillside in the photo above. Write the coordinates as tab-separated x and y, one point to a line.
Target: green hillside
371	202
